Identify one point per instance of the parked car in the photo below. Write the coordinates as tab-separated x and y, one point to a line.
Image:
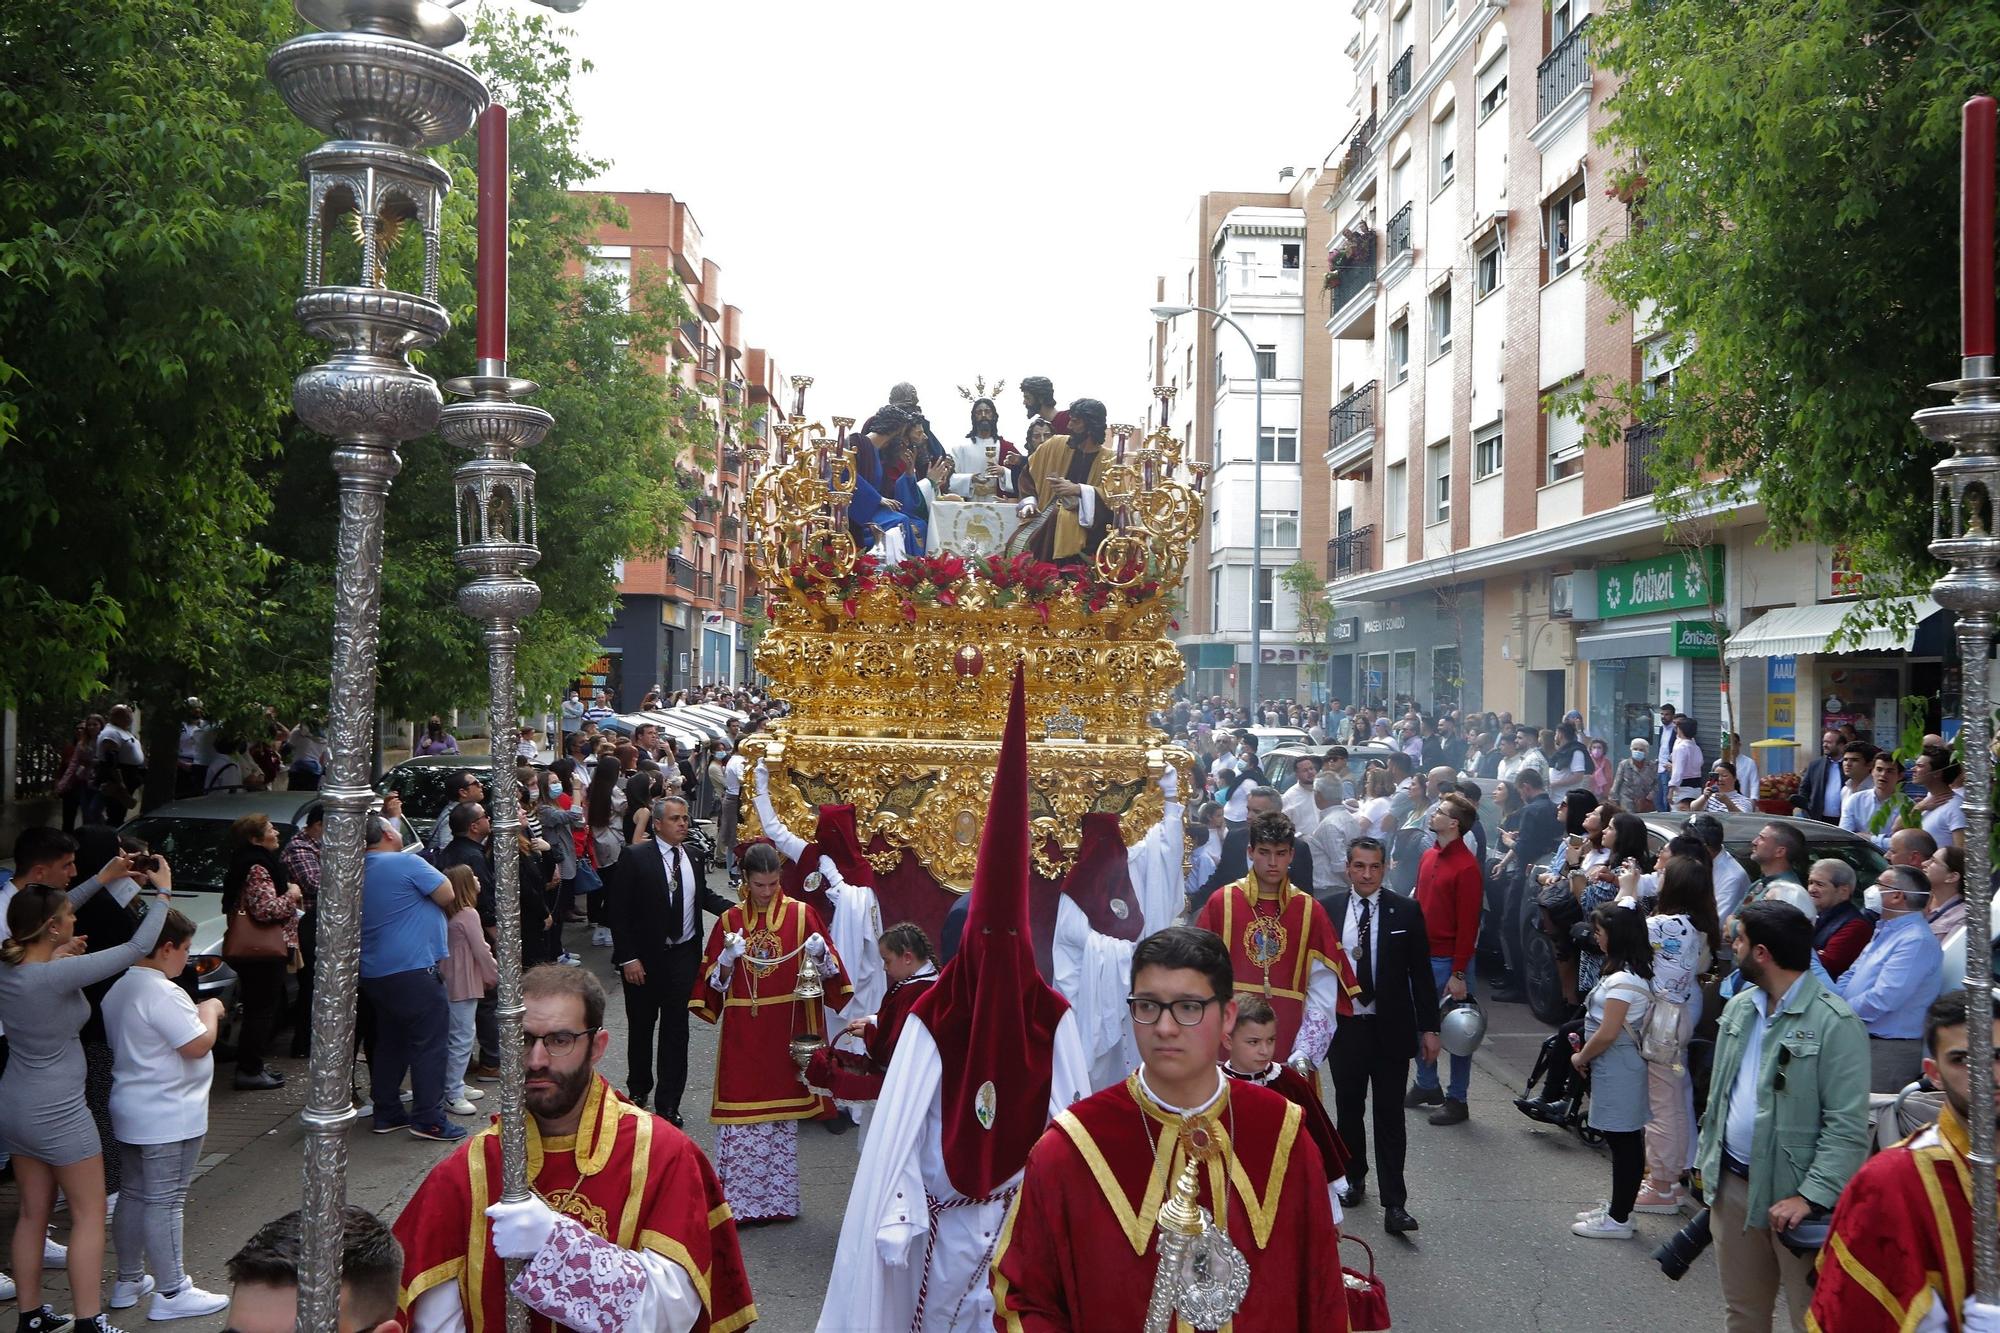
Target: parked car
193	835
425	780
1279	763
1530	955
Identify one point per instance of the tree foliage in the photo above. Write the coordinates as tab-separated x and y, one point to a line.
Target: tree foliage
172	522
1793	169
1307	585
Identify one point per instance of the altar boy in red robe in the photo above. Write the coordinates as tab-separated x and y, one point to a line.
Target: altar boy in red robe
1079	1250
626	1230
749	983
1251	1044
1283	946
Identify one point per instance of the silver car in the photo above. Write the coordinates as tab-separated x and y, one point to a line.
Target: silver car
193	836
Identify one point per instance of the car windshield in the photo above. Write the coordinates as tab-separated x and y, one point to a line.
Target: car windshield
424	788
198	850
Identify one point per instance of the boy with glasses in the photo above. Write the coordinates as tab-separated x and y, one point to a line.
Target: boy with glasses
1075	1249
625	1226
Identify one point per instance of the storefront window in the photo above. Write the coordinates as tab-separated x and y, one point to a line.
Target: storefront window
1866	696
1445	679
1406	680
1623	694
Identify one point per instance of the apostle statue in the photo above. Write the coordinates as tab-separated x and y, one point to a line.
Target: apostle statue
1065	475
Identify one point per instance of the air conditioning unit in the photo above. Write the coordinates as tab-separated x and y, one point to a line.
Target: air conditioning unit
1562	596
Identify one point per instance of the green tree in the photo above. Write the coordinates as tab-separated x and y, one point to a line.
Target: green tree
149	238
1792	167
1314	609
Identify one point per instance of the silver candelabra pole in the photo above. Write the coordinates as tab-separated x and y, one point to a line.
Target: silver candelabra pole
496	541
376	79
1962	537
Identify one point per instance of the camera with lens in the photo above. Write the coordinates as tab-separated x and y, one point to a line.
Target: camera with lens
1681	1249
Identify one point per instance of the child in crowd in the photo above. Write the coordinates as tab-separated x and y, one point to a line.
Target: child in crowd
468	972
1249	1051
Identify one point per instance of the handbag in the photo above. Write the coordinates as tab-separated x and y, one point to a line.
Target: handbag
250	939
1367	1298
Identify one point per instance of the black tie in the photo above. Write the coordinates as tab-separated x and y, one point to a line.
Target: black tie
674	910
1364	966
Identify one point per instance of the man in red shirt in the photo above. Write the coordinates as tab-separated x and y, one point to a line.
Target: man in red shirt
1451	890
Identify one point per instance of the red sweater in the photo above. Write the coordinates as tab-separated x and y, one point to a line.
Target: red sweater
1450	893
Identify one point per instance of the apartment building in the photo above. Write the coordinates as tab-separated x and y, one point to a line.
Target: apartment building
1252	255
1482	553
685	619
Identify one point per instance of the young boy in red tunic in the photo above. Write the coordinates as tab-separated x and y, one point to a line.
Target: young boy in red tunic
1251	1045
1079	1250
749	984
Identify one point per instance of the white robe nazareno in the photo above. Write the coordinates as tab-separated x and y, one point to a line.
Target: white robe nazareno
879	1266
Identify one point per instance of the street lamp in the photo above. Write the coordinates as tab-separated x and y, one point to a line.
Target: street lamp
1166	314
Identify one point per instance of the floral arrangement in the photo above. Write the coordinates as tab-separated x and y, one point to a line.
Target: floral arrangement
818	569
927	580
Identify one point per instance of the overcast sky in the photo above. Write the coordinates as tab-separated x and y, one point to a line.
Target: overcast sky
933	191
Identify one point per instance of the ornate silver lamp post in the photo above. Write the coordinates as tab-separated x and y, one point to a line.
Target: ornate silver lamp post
376	79
1962	536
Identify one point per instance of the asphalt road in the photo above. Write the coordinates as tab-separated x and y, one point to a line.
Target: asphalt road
1495	1198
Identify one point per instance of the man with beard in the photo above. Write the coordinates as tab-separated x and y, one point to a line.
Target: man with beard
1063	479
1038	396
982	465
625	1229
1900	1252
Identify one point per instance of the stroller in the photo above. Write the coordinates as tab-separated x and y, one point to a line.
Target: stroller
1565	1099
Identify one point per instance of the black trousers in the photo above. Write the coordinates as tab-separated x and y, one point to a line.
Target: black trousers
261	990
662	998
1363	1067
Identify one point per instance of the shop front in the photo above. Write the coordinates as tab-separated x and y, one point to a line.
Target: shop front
1654	638
1910	654
1210	669
1340	637
1412	650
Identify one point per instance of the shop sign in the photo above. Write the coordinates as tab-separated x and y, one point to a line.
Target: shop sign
1381	623
1282	655
1345	630
1781	700
1697	638
1669	582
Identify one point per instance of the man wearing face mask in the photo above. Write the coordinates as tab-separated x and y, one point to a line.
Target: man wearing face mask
1900	1251
1896	977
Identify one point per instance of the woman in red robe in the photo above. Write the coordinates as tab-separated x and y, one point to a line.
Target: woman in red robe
749	983
910	962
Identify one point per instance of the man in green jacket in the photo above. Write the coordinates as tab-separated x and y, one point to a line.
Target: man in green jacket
1787	1120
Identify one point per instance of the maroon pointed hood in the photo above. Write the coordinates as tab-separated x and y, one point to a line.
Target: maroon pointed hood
992	1015
1100	881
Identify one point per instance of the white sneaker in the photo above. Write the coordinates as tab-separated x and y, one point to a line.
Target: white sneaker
110	1205
125	1295
601	936
1597	1209
570	960
186	1303
1603	1227
55	1254
7	1288
461	1107
364	1108
473	1094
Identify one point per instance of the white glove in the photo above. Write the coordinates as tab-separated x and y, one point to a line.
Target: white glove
763	777
1170	783
521	1229
733	947
1978	1317
1301	1064
816	947
829	872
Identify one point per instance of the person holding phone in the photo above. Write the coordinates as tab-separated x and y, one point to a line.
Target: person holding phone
1720	795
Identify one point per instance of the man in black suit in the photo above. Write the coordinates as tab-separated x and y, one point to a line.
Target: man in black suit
1234	862
1395	1015
659	891
1825	783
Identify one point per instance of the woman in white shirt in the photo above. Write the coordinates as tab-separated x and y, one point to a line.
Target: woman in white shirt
1610	1055
1685	936
1721	796
1380	790
160	1075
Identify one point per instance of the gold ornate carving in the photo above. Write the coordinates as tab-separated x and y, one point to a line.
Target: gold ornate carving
898	678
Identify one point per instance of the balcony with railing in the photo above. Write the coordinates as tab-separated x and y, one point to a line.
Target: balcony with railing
1402	74
729	597
704	585
683	571
732	460
1351	553
1350	285
1563	71
1358	144
753	605
1399	234
1350	432
1642	445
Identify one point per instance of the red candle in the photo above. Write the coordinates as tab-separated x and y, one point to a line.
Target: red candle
490	343
1976	230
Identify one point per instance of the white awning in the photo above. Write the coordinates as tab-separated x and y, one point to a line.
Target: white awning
1806	629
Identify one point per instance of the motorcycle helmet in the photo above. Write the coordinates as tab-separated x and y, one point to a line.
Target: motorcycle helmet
1462	1027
